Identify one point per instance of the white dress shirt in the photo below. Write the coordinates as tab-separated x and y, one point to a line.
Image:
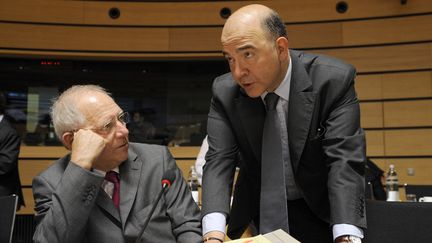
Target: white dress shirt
107	186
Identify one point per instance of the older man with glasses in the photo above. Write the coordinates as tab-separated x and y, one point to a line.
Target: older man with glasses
103	191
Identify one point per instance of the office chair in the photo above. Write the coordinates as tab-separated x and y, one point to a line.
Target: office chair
398	222
8	206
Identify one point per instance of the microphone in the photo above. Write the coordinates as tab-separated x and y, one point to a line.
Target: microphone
167	179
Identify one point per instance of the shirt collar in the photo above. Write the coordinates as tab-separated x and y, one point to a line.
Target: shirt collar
103	173
284	88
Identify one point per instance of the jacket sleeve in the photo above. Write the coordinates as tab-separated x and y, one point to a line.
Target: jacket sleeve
63	208
218	172
345	153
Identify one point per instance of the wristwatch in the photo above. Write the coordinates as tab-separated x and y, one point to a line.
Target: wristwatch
351	239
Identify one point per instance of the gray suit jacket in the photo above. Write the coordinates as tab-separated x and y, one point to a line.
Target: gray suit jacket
326	144
72	207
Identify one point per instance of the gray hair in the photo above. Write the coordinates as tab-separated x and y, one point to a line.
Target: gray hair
274	26
66	115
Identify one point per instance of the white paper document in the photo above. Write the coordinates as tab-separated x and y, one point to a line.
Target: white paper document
277	236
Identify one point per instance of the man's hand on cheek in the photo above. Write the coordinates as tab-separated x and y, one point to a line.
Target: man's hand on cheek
86	147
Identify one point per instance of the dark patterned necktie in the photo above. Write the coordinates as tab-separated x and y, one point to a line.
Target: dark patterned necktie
273	200
113	177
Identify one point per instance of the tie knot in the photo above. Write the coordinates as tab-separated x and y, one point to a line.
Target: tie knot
112	176
271	100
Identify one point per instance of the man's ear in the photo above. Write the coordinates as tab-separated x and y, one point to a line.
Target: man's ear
67	138
282	48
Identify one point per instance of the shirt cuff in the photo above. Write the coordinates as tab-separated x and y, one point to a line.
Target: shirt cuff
213	222
346	229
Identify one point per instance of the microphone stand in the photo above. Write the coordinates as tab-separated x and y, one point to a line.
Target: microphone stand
155	202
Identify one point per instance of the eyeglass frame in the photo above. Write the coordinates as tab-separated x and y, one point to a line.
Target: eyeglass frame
123	117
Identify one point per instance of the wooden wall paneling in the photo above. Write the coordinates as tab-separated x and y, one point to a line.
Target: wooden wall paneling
126	38
369	87
422	168
42	11
130	42
184	152
416	113
159	13
365	59
29	168
195	39
299	35
194	13
147	39
78	38
408	142
316	10
371	8
416	84
32	152
42	152
371	114
315	35
374	143
407	85
389	30
385	58
144	39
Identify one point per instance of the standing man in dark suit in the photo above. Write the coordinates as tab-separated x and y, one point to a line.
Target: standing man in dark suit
316	191
74	203
10	143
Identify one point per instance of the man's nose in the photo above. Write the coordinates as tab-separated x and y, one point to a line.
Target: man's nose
122	129
239	71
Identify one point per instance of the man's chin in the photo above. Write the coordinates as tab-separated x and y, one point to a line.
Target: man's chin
254	93
123	159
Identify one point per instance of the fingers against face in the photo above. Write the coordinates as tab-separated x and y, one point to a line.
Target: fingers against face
86	147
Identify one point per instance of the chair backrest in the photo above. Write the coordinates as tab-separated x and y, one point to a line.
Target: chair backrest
395	222
8	206
419	190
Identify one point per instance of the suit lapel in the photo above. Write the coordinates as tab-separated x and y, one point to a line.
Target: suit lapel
252	114
129	180
106	204
300	109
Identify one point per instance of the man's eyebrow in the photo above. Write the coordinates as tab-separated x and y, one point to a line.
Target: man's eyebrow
245	47
239	49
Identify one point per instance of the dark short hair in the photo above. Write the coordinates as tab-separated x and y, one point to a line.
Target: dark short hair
274	25
2	103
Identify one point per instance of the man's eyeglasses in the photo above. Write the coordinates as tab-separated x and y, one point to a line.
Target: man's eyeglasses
123	117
